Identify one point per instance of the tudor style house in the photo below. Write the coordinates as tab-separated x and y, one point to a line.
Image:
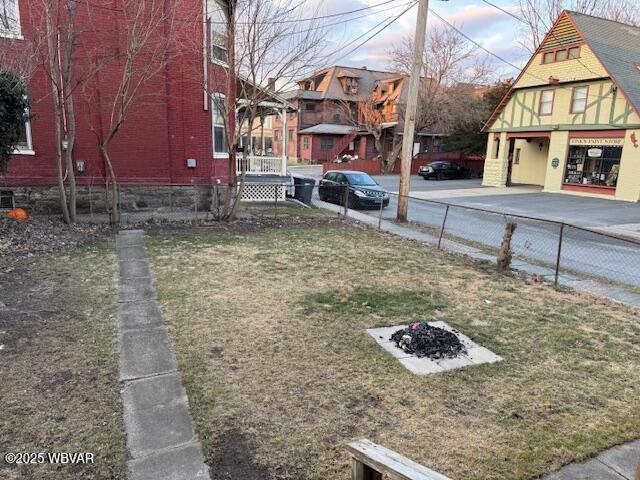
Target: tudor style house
174	132
328	119
571	122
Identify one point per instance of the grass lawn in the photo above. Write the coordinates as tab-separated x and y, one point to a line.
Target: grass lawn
269	334
59	364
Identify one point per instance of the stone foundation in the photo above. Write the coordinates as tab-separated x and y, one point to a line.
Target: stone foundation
46	200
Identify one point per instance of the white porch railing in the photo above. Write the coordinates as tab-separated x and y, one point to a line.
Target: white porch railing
257	165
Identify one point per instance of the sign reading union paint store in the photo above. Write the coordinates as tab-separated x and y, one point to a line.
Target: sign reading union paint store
597	142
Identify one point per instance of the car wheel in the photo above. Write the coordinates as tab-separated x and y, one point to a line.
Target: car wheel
353	202
322	196
440	176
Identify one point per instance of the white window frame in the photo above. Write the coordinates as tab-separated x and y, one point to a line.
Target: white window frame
215	26
548	103
17	33
215	111
28	150
582	100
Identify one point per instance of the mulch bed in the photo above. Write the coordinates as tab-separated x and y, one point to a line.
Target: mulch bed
424	340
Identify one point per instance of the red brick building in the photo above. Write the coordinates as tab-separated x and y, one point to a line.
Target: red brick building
172	134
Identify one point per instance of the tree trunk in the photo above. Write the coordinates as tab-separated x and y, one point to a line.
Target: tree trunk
393	155
113	214
505	254
71	176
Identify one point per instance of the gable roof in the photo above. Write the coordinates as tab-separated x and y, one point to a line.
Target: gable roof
330	88
615	44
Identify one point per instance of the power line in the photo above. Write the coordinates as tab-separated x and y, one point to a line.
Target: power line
535	12
524	72
187	20
394	19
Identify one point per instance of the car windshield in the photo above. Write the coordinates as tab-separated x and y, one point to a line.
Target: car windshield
361	179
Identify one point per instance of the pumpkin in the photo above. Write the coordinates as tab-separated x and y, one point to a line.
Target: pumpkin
18	214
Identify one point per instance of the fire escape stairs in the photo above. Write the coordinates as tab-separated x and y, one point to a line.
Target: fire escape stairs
343	144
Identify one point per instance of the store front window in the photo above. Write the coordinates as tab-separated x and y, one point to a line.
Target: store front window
593	165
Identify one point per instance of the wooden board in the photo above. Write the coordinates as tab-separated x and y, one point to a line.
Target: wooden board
390	463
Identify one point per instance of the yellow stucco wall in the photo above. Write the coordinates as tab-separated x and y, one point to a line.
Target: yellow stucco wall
629	180
586	67
558	149
532	168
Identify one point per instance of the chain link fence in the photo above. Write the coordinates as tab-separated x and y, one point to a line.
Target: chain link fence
555	250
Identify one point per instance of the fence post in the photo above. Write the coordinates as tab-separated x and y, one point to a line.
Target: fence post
444	221
346	199
380	215
559	253
276	198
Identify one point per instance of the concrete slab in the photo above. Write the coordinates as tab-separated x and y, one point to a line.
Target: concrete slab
144	353
590	470
135	315
420	366
184	463
135	289
453	363
476	354
125	241
134	269
131	253
623	459
156	414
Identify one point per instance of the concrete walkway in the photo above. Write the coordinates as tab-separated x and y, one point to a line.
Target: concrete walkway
160	436
617	463
601	289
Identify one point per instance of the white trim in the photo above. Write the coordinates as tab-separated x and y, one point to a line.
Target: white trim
23	152
214	109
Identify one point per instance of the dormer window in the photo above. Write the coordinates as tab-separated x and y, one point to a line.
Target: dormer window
350	85
218	25
9	19
561	54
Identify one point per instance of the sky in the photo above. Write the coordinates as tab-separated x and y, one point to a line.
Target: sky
487	25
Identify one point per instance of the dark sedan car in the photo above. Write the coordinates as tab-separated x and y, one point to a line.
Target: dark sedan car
362	190
443	170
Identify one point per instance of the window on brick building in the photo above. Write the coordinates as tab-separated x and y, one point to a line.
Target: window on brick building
219	137
218	24
310	107
326	144
25	143
276	135
9	18
305	143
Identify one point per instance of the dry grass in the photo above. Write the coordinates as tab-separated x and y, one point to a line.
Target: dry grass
59	364
269	334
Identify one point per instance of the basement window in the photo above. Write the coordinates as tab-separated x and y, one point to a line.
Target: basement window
7	200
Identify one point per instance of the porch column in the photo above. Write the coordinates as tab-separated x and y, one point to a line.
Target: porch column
262	134
285	142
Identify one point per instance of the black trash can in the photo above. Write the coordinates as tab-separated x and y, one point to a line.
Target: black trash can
304	189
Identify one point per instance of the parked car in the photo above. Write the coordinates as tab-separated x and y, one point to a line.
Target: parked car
443	170
363	191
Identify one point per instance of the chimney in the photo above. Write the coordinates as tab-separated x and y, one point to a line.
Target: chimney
271	84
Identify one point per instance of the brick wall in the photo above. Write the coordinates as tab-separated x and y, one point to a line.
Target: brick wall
166	125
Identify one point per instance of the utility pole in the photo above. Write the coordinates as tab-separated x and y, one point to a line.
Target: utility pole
410	114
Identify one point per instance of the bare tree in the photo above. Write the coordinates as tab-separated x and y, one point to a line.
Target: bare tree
150	44
259	49
59	36
539	15
452	67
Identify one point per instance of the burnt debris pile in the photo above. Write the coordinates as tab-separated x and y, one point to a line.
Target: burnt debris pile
424	340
